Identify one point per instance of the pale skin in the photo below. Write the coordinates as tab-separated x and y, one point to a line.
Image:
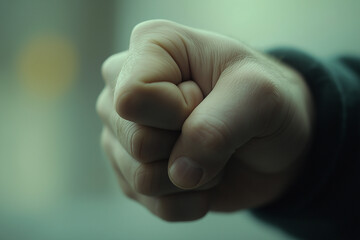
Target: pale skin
197	122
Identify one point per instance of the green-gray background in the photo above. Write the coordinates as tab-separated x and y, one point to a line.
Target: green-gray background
55	182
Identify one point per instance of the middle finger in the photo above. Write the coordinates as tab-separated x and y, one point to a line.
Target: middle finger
145	178
143	143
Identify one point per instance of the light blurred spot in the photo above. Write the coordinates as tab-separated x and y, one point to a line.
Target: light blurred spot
47	65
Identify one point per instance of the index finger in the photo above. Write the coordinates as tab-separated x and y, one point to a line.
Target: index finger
154	86
111	68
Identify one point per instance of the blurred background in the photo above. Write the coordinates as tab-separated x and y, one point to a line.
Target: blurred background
55	182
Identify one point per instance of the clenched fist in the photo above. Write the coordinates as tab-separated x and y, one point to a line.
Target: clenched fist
195	121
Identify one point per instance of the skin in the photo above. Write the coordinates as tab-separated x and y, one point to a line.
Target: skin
239	121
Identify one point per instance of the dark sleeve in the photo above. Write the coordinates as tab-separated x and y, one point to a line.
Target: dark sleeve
324	202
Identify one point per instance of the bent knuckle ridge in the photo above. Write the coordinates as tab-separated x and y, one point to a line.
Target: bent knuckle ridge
124	102
105	66
130	100
105	140
271	104
100	103
150	26
272	98
210	132
143	181
136	142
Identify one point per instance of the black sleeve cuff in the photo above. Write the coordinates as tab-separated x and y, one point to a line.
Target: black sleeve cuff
311	207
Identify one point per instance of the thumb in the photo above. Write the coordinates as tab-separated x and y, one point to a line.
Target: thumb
236	110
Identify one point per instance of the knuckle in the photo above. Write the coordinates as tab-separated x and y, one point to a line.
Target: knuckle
143	181
131	136
119	126
265	89
105	66
151	26
105	141
111	68
271	99
100	102
211	132
129	100
268	89
136	140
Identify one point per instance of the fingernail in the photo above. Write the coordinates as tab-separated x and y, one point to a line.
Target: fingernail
185	173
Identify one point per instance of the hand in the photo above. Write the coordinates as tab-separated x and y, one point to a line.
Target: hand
196	121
